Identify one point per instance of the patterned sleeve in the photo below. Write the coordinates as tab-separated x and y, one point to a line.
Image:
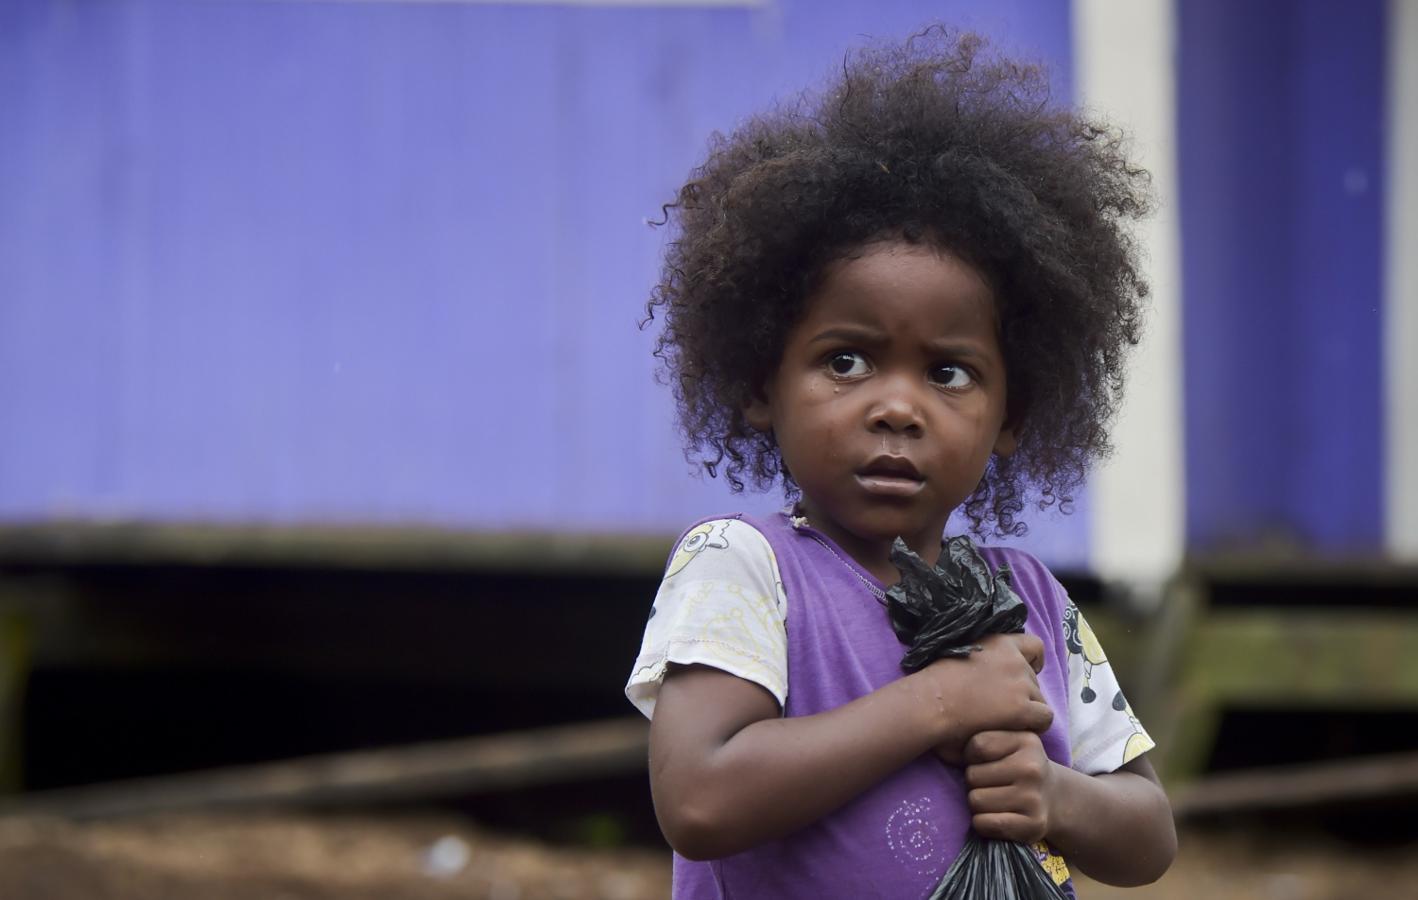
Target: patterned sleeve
720	604
1102	728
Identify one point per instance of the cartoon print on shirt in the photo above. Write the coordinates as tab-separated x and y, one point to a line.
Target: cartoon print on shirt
719	612
1053	864
710	534
1083	643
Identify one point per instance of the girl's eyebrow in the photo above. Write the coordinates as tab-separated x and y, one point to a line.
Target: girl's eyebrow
852	334
957	347
866	336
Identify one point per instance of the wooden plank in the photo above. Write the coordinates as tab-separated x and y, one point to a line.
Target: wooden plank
421	771
14	673
1304	657
1264	567
1357	779
353	547
1297	658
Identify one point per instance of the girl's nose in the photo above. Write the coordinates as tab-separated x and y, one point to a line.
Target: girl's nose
896	412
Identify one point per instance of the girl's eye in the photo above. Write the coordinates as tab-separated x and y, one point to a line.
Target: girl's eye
847	364
955	377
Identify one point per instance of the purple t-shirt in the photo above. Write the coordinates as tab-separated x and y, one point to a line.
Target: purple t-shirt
897	839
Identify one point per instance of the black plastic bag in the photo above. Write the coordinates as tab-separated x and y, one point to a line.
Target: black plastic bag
943	610
1000	870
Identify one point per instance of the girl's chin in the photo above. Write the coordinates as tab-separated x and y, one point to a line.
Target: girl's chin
880	534
876	525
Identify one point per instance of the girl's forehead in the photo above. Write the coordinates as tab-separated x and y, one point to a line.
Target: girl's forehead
883	258
895	279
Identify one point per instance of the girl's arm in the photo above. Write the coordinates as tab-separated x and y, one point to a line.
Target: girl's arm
728	772
1116	827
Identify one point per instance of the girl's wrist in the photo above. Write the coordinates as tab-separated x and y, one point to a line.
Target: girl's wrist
1059	800
937	721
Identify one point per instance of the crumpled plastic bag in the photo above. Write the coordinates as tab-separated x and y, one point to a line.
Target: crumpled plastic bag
999	870
942	611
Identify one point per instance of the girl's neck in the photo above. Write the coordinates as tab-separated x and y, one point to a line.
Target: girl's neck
874	556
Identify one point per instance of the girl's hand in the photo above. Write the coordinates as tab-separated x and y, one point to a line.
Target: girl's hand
1010	781
992	689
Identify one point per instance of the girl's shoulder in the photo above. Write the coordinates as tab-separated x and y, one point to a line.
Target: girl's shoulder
719	531
735	539
720	604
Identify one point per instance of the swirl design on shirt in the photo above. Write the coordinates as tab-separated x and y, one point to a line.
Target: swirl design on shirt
914	839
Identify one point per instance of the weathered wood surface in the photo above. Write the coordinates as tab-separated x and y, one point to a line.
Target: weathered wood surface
14	667
421	771
1297	659
355	547
1358	779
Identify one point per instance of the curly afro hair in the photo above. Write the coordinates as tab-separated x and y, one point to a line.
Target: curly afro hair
931	141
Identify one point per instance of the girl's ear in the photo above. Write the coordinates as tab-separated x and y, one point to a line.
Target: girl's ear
758	411
1007	442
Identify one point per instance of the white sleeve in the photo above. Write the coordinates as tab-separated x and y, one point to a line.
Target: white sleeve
721	604
1104	733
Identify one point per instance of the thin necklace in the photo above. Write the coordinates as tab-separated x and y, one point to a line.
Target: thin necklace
799	522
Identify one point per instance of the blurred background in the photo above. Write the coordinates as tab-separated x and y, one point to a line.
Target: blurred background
335	482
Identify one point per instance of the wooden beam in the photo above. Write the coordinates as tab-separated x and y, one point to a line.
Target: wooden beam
357	547
421	771
1267	789
14	672
1304	657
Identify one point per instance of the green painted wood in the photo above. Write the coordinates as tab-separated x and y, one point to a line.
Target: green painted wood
1302	657
1278	658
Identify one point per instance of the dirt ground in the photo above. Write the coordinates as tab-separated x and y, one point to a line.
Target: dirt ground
437	857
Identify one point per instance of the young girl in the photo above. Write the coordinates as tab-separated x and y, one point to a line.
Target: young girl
913	297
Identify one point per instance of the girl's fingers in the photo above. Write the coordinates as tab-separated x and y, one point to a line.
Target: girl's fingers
1020	770
1004	798
1036	717
1033	650
1009	827
990	775
989	746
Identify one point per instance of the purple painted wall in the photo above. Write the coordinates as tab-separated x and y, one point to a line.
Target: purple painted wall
1281	117
372	262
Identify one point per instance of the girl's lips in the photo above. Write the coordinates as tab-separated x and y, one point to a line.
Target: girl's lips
890	475
887	485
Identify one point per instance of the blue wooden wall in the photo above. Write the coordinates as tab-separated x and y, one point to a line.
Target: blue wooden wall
382	262
370	262
1281	126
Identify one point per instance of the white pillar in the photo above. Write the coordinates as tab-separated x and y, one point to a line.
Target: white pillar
1401	284
1125	67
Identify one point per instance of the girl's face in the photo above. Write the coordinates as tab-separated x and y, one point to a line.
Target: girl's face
889	399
